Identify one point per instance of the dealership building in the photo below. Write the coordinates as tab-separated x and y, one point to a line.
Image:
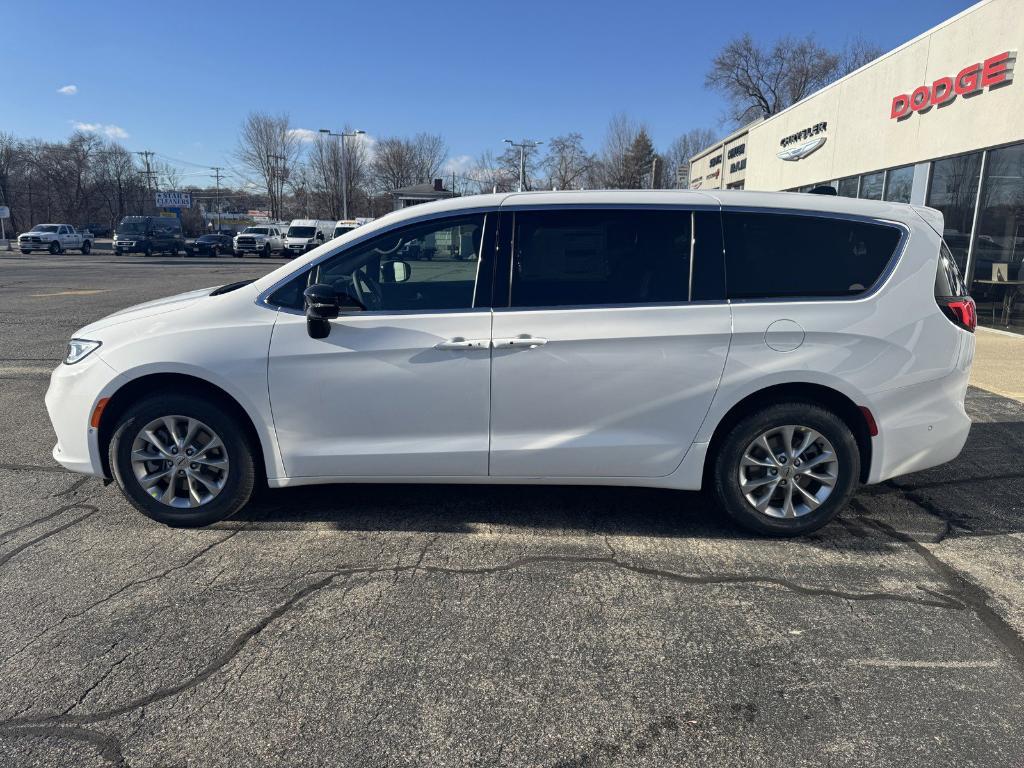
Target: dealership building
938	121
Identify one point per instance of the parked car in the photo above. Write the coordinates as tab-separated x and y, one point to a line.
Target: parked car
777	348
148	235
306	234
55	238
263	241
213	244
98	230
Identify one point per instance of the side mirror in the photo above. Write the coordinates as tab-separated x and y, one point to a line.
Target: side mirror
321	308
395	271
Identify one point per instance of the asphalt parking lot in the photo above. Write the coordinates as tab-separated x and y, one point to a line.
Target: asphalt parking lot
473	626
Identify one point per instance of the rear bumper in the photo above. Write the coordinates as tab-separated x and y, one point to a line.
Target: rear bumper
923	425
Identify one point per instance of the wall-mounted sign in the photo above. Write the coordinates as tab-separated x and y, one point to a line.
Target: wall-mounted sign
173	200
716	160
806	133
737	151
739	165
713	174
974	78
800	151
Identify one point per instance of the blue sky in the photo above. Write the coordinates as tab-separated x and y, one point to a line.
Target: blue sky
179	77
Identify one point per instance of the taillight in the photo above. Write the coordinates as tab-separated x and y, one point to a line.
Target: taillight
961	310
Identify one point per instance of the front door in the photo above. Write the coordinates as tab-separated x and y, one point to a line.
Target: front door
607	358
402	389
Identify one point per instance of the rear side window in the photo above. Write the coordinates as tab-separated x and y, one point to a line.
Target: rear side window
594	257
770	255
948	281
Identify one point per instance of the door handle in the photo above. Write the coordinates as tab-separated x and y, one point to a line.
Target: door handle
520	341
460	343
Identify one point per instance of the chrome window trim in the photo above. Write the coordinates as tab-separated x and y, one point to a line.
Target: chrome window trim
262	298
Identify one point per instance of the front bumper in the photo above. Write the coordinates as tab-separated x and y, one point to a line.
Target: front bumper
70	400
27	246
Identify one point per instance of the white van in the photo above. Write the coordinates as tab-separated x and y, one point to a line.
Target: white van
780	348
344	226
306	234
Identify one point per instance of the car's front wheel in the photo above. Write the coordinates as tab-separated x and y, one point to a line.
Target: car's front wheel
182	460
786	470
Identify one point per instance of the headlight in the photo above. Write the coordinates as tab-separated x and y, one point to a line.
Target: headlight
79	349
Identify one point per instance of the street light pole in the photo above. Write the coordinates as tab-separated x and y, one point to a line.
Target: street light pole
344	167
523	146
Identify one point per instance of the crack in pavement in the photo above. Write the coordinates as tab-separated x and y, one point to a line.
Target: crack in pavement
123	588
971	595
22	725
33	468
53	532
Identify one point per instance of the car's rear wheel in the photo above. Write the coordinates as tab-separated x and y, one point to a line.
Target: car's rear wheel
86	248
786	470
182	460
54	247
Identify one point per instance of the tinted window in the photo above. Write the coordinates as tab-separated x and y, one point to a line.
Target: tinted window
576	257
441	258
776	255
953	190
948	281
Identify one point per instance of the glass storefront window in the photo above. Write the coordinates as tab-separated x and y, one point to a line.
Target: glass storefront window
953	189
848	187
898	182
999	238
871	186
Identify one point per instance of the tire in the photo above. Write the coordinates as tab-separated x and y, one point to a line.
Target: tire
843	470
54	248
215	251
86	247
265	253
147	251
240	466
26	252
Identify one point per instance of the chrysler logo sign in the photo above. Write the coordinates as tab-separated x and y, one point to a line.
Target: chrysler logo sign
799	145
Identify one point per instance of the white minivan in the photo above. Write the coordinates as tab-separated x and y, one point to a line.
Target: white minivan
776	348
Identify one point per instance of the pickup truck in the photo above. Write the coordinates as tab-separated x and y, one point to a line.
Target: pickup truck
262	241
55	238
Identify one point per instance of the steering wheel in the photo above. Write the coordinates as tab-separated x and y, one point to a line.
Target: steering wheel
367	291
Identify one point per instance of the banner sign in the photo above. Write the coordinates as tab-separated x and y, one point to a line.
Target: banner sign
173	200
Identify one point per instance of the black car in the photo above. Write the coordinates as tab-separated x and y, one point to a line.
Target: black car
148	235
213	244
98	230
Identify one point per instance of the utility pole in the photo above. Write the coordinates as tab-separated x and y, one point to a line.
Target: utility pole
277	179
146	156
523	146
216	175
344	166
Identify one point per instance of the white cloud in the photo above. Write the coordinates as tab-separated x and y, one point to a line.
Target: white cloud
68	90
109	130
460	164
305	135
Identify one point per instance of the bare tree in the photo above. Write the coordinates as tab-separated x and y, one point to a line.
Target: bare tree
568	164
760	81
613	159
401	162
681	150
269	149
490	175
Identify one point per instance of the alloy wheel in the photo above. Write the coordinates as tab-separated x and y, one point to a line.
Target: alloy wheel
180	461
788	471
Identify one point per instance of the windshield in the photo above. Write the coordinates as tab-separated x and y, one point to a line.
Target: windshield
44	228
132	226
339	231
301	231
209	238
256	231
